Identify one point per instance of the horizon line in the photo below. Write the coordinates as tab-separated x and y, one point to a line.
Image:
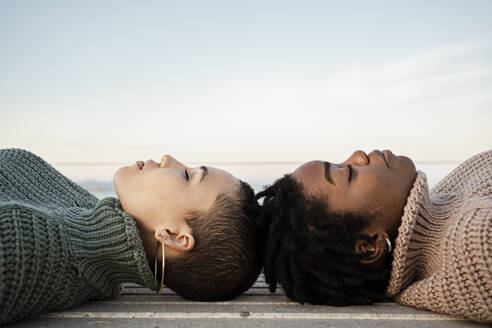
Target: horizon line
239	163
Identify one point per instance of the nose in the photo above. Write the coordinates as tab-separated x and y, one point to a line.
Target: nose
378	157
168	161
359	157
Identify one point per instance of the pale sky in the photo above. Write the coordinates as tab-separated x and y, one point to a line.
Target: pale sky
235	81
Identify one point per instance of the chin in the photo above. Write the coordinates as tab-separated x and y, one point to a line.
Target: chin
408	170
410	164
406	164
117	178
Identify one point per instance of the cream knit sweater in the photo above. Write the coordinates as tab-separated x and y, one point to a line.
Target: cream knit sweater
443	252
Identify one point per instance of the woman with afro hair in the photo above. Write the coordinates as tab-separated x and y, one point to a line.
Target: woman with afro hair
368	230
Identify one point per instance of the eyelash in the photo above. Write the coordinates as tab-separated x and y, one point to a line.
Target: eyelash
186	175
350	172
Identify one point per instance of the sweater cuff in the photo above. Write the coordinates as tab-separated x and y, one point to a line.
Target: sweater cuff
106	247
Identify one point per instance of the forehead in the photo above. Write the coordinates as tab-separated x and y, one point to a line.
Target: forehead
310	175
221	181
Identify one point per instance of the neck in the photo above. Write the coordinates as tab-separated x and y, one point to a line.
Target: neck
393	231
148	240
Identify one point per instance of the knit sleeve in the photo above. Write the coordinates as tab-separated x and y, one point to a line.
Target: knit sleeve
57	259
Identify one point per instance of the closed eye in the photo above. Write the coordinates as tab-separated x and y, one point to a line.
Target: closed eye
186	175
350	172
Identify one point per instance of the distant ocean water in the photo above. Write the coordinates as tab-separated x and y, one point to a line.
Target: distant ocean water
98	178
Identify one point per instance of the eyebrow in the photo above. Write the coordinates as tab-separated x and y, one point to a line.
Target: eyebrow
205	172
328	173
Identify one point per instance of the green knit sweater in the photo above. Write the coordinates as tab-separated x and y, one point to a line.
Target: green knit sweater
60	245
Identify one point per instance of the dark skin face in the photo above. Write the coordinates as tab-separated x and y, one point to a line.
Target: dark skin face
376	184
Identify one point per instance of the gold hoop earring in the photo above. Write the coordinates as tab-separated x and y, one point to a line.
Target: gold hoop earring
155	267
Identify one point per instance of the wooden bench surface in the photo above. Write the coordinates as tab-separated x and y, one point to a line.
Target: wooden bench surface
137	306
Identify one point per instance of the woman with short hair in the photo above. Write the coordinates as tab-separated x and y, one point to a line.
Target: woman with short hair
61	246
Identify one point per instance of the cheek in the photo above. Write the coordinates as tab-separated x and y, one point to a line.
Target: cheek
386	194
371	193
137	192
368	200
170	196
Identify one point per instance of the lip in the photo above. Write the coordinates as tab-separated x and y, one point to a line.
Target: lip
388	157
140	164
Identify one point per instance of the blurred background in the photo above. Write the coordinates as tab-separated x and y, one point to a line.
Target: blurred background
253	87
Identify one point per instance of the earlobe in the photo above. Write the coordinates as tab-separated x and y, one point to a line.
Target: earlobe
182	242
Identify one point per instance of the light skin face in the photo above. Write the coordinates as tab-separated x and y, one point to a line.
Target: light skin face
379	186
161	196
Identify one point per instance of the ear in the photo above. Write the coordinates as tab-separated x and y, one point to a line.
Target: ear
374	248
179	241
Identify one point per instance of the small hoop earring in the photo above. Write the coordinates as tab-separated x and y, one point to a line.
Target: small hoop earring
155	268
388	242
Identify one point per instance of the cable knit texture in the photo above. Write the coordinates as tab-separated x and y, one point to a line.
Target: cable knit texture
60	245
443	252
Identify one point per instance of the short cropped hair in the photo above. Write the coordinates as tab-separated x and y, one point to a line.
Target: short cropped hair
224	262
310	251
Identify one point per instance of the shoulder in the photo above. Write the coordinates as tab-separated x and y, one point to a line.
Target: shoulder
470	175
21	158
477	162
17	154
27	177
